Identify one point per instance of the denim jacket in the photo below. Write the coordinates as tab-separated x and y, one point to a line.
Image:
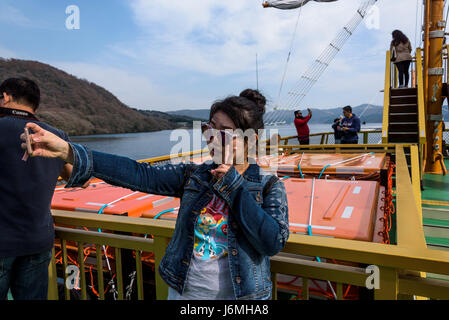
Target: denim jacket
257	227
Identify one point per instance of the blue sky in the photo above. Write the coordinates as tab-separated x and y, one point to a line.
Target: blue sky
169	55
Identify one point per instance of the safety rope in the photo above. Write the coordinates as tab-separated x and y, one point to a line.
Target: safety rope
344	161
299	166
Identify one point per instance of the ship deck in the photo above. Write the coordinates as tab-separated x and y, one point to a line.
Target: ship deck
435	209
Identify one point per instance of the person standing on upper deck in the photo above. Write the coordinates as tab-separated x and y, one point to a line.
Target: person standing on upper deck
302	127
401	50
349	127
337	132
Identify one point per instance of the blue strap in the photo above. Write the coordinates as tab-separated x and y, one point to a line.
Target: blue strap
309	230
325	167
102	208
300	172
101	211
162	212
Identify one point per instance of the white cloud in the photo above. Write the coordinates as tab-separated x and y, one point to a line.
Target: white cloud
131	89
220	39
188	46
135	90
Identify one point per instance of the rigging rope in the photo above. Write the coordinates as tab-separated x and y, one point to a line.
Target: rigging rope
313	73
289	54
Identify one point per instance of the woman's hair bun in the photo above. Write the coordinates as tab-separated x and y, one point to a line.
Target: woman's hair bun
255	96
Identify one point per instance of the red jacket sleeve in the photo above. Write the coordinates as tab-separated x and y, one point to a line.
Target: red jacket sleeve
303	121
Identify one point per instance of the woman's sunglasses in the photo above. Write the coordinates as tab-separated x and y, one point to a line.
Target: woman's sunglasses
209	132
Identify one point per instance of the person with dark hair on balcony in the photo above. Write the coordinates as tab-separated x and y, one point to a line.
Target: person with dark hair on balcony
302	128
26	190
337	132
233	216
401	50
349	127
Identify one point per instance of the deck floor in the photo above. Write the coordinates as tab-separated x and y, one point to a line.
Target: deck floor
435	211
436	187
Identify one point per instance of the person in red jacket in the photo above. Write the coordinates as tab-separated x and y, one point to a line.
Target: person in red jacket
301	126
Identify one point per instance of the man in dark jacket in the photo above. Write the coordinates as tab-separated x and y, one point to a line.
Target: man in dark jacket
337	132
26	190
301	126
350	127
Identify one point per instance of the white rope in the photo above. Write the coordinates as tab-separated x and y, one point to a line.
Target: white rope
314	72
289	54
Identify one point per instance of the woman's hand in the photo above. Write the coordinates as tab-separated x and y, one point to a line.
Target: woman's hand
220	171
46	144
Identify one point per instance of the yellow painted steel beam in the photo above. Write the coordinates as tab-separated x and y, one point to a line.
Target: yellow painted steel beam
435	202
416	177
161	287
387	86
174	156
421	97
318	270
107	239
389	284
52	293
118	223
393	256
410	231
432	288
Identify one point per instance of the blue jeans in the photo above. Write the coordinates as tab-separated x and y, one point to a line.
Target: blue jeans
27	276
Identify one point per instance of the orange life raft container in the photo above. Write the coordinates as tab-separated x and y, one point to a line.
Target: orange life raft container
332	163
100	197
340	209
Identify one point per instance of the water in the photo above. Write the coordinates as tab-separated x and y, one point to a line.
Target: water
153	144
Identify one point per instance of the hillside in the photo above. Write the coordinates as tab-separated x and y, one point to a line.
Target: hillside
80	107
370	113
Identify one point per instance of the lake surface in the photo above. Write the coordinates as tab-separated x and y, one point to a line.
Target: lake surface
153	144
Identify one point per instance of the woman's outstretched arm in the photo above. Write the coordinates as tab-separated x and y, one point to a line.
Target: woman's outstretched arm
121	171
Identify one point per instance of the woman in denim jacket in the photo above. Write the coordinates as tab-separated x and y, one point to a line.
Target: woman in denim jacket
227	226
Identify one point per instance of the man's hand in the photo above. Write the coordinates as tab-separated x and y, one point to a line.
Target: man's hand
310	112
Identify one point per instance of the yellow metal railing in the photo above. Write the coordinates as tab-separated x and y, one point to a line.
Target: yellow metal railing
324	137
421	100
387	87
410	252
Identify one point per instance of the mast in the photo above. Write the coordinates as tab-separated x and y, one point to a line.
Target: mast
433	73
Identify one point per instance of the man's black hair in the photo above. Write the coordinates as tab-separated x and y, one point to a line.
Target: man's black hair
22	90
348	109
297	111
